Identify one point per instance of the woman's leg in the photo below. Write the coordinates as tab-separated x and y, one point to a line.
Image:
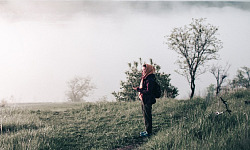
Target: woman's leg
147	115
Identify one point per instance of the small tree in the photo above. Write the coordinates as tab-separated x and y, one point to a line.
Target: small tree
196	43
3	103
220	75
242	78
133	78
79	88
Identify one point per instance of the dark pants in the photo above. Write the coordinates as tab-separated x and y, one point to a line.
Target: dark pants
147	115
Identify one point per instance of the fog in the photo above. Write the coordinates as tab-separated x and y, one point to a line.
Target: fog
45	44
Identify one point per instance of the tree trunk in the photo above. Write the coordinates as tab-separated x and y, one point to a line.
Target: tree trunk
192	88
217	90
218	87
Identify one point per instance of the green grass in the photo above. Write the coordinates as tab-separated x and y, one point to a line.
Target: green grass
177	124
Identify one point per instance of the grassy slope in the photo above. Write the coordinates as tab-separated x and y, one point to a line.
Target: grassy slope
187	124
199	128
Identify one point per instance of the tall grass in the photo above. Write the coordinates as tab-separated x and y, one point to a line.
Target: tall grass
177	124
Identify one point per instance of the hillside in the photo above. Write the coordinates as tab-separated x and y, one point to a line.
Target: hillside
177	124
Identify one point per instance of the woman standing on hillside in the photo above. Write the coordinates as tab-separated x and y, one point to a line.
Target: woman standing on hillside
146	96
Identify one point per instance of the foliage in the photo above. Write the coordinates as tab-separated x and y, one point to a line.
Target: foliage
133	78
196	43
79	88
242	79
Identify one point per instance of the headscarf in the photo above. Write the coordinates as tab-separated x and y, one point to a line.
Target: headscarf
149	70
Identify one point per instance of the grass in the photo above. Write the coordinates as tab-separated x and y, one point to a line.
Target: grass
177	124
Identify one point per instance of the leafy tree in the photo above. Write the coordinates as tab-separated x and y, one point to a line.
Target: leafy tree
133	78
196	43
242	78
79	88
220	75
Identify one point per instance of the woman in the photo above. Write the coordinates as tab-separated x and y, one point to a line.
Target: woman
146	96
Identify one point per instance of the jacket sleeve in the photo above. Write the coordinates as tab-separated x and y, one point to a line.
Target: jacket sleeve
148	89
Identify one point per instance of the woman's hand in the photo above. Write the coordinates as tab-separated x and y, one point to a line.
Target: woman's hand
135	88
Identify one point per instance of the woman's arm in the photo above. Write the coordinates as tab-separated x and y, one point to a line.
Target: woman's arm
148	89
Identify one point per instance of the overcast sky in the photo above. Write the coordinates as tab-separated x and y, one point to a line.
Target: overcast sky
44	44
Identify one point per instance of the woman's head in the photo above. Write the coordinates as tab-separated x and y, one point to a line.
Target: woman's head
147	70
144	68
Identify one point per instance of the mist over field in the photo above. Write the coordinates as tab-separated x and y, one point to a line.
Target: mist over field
44	44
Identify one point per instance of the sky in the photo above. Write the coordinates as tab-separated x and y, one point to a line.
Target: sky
44	44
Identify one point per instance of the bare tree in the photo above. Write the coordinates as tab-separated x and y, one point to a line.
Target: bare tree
220	73
79	88
196	43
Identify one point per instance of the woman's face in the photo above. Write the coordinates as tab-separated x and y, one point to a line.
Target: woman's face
143	70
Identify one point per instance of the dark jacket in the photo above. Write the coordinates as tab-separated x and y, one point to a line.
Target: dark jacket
147	90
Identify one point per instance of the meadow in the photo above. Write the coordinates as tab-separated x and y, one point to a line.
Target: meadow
177	124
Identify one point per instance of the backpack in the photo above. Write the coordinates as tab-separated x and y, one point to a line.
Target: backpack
157	90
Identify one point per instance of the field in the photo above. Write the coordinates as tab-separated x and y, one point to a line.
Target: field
177	124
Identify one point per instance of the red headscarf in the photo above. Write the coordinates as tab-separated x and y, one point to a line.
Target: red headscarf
149	70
